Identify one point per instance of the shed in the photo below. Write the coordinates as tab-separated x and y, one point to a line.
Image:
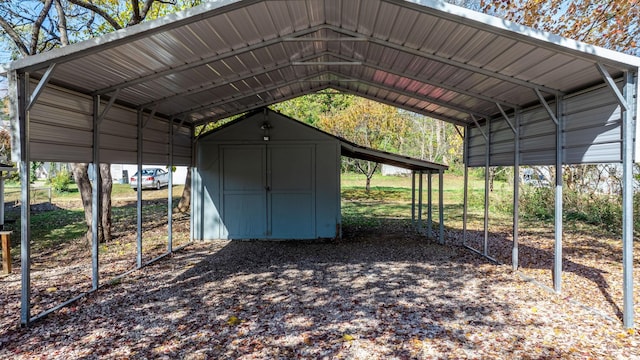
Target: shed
268	176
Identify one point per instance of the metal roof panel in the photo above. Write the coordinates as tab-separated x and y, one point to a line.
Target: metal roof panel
216	58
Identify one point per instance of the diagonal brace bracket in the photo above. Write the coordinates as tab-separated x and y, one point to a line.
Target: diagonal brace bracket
104	112
38	90
612	85
546	106
507	119
475	121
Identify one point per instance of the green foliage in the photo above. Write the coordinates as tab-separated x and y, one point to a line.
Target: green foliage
537	202
603	211
210	126
309	108
32	171
60	181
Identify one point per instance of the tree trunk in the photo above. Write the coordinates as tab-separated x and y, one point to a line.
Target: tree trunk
81	177
368	172
106	185
185	201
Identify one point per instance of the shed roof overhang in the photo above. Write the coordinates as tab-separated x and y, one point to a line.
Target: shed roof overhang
230	56
355	151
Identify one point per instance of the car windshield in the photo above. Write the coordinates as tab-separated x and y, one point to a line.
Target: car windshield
145	172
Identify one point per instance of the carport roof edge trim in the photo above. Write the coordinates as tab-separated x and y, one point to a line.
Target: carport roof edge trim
103	42
520	32
442	9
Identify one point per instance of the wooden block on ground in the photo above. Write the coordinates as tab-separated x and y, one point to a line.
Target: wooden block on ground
5	237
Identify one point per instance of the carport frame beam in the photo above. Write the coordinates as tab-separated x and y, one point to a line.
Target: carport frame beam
96	195
19	84
630	91
557	245
441	203
429	205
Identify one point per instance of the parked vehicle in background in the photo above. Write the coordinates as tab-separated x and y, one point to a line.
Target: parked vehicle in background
152	178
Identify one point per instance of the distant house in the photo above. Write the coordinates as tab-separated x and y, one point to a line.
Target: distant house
390	170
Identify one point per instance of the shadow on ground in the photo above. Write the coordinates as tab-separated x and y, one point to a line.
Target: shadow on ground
291	299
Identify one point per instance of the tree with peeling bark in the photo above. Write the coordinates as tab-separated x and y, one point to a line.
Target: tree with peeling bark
32	27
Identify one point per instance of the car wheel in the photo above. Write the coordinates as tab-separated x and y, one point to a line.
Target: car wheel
158	186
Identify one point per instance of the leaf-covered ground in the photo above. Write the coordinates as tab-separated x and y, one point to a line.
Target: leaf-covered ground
383	292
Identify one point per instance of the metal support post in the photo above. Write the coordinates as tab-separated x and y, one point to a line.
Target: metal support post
429	205
193	179
95	197
19	85
557	245
487	163
441	204
465	192
420	191
170	192
630	87
413	197
516	191
139	193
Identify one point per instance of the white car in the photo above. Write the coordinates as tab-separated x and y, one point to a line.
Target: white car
152	178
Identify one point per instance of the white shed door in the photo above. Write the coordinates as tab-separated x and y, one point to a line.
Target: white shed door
268	191
243	190
291	195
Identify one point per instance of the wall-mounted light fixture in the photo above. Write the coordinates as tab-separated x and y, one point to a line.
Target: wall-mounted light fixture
265	131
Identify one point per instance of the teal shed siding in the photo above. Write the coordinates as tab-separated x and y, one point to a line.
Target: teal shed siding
246	187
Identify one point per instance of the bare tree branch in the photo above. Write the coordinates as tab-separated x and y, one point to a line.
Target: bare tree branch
62	24
37	26
135	17
99	11
15	37
147	6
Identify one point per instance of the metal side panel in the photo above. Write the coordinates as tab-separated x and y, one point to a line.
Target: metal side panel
59	152
61	126
593	128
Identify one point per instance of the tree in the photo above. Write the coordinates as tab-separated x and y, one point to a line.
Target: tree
31	27
608	23
309	108
367	123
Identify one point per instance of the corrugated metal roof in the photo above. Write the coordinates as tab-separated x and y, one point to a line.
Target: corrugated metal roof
228	57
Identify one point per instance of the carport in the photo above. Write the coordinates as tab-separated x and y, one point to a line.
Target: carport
522	97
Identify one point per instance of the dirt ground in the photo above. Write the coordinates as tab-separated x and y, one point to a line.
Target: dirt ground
382	292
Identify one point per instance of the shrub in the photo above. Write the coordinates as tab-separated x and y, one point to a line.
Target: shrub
61	181
537	202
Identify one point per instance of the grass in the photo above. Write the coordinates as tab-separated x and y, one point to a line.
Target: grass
51	229
390	197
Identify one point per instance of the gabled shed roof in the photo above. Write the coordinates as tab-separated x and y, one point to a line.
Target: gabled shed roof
353	150
227	57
